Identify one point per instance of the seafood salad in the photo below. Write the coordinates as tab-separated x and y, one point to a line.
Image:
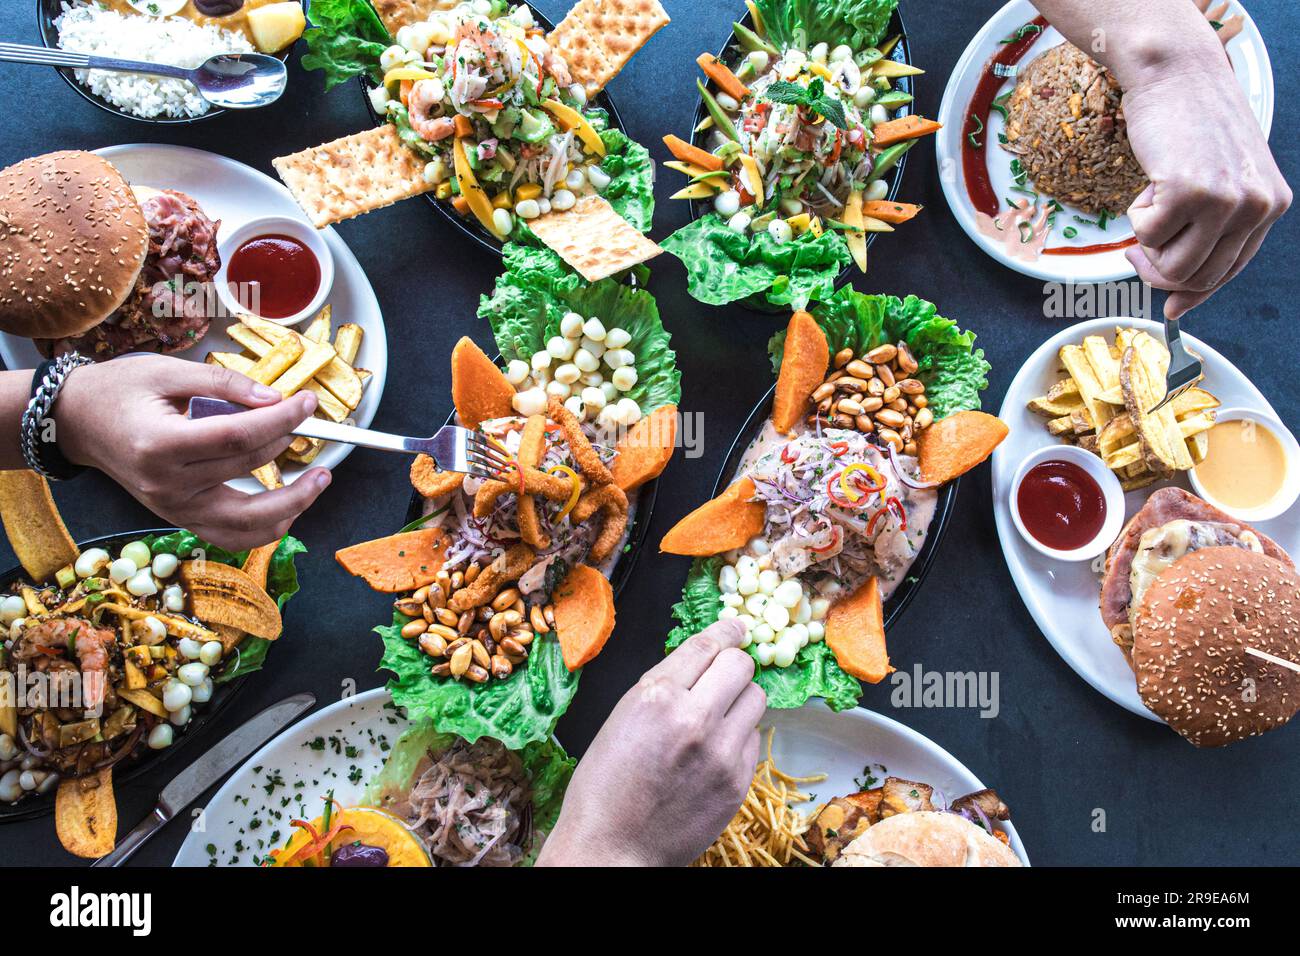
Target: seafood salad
839	509
480	92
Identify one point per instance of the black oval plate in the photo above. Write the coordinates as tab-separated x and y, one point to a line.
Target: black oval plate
622	573
145	760
468	225
46	13
902	53
902	597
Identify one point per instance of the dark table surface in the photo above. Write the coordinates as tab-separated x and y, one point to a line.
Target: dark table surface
1063	756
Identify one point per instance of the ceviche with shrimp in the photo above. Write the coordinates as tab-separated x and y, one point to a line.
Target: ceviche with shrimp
791	159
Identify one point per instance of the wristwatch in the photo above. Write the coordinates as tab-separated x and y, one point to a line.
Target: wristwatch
38	434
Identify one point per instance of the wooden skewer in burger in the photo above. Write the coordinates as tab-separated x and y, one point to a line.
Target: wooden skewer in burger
89	263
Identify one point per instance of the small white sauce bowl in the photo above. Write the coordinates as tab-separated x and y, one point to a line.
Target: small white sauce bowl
1290	490
1112	492
278	226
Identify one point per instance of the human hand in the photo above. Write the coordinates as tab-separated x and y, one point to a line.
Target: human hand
127	418
672	764
1215	190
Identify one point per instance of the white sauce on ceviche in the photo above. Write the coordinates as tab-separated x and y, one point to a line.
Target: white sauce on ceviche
837	514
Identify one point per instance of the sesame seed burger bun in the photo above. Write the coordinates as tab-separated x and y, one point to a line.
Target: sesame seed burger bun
73	240
1189	645
927	838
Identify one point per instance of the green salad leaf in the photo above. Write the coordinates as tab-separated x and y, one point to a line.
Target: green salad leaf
954	371
805	23
281	584
517	711
538	289
631	190
814	672
345	40
548	767
725	266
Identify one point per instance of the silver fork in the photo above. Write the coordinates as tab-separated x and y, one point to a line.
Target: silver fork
453	448
1185	369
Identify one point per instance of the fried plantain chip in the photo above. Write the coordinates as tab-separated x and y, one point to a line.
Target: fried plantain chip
220	594
85	815
32	523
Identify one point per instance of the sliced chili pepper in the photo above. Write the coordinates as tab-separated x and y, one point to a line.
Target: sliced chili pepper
787	457
871	525
859	468
835	539
893	502
839	448
574	495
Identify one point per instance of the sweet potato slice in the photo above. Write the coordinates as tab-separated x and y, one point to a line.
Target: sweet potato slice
855	633
32	523
646	449
220	594
85	815
398	563
726	522
584	615
429	481
954	445
478	387
803	368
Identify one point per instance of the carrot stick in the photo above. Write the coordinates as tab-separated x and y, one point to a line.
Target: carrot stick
692	154
719	74
886	211
463	126
905	127
461	204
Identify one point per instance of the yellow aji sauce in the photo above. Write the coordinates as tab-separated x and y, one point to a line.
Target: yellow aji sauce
1246	466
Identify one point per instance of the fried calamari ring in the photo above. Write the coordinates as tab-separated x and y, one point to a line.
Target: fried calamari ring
506	569
429	481
580	448
532	446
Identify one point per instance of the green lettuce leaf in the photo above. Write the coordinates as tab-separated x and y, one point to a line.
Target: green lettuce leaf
548	766
805	23
517	711
537	289
954	371
281	584
725	266
814	672
345	40
631	190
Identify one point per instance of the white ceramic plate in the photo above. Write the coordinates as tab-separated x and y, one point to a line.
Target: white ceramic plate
1249	61
249	816
849	745
1062	598
235	194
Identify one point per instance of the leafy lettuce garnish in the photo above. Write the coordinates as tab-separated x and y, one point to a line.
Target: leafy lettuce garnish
345	40
537	289
724	266
547	765
954	371
805	23
814	672
281	584
631	190
522	709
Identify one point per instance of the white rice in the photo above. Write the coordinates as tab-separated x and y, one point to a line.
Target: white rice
174	41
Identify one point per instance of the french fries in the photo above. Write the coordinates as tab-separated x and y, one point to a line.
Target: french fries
1106	403
290	362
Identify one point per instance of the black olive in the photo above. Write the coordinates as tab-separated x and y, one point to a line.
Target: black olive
218	8
358	854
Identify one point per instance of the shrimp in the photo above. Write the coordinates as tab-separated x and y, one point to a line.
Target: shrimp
57	637
424	98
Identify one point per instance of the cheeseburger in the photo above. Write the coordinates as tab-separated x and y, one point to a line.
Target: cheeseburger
88	263
1188	589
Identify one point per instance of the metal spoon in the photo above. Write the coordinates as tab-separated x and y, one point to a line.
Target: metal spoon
233	81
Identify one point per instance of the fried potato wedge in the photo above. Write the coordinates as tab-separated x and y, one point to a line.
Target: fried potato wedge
85	815
220	594
954	445
398	563
855	633
804	361
646	449
584	615
478	388
726	522
33	525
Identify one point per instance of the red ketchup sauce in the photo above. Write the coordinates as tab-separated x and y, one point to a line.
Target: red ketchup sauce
275	276
1061	505
1089	250
974	162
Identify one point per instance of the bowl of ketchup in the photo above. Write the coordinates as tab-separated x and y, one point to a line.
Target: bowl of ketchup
1066	503
278	268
